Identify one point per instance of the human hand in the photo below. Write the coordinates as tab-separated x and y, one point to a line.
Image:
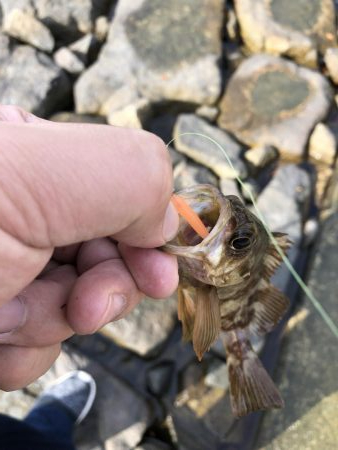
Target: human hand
82	209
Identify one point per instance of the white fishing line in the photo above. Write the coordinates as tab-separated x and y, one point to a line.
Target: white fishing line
325	316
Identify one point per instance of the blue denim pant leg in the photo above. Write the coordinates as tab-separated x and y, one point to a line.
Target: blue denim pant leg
45	428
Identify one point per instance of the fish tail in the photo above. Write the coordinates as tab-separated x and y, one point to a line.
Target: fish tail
251	388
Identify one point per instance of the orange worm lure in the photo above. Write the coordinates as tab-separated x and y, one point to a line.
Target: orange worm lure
189	215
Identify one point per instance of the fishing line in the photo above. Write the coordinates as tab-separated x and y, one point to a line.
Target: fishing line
324	315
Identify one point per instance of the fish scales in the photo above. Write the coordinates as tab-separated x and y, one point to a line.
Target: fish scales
225	287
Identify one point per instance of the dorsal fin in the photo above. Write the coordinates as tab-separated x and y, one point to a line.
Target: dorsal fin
186	312
269	306
207	323
273	259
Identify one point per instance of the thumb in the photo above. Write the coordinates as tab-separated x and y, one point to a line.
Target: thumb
65	183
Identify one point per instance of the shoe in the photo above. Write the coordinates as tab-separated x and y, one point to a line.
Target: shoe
74	391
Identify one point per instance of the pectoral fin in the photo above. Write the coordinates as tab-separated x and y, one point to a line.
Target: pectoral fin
269	306
186	312
207	323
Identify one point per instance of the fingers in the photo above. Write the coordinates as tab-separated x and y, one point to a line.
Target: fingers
38	317
155	272
104	293
122	186
20	366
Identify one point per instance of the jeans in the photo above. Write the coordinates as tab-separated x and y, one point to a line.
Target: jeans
47	427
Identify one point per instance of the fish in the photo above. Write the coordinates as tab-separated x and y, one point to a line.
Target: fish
225	289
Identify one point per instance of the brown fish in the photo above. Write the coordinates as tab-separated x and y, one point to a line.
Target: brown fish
224	286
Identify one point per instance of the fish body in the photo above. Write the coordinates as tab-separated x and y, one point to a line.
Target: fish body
225	286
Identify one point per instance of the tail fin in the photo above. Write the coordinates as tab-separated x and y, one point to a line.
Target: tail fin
251	388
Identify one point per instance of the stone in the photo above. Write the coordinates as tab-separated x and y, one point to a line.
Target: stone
134	115
120	99
86	48
294	28
285	200
16	403
331	62
261	156
146	328
307	372
268	98
189	174
66	116
69	19
206	152
23	26
175	156
159	48
68	61
322	145
18	85
250	189
217	375
229	187
153	444
209	113
101	28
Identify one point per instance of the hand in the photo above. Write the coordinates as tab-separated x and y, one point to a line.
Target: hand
82	208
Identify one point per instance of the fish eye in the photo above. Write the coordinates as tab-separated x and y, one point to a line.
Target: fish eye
240	242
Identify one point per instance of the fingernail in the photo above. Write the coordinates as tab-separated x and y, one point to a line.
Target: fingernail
170	224
118	303
12	315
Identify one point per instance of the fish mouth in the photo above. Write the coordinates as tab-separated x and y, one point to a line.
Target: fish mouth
215	211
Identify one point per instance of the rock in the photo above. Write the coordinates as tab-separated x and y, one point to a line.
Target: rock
206	152
68	19
331	62
86	48
322	145
229	187
285	200
134	115
250	189
188	174
23	26
261	156
159	48
146	327
159	378
267	98
68	61
18	84
209	113
101	28
120	99
307	373
153	444
217	375
293	28
77	118
16	403
176	157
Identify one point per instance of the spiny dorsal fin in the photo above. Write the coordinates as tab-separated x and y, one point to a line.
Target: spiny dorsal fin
186	312
207	320
273	259
251	387
269	306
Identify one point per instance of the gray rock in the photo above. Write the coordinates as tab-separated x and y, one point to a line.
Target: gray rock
68	19
133	115
101	28
16	404
250	189
217	375
284	201
322	145
159	48
23	26
209	113
229	187
68	61
331	61
176	157
293	28
77	118
188	174
205	151
85	48
268	98
261	156
18	86
146	327
307	370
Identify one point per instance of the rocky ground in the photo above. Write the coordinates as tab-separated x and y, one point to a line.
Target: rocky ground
260	78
